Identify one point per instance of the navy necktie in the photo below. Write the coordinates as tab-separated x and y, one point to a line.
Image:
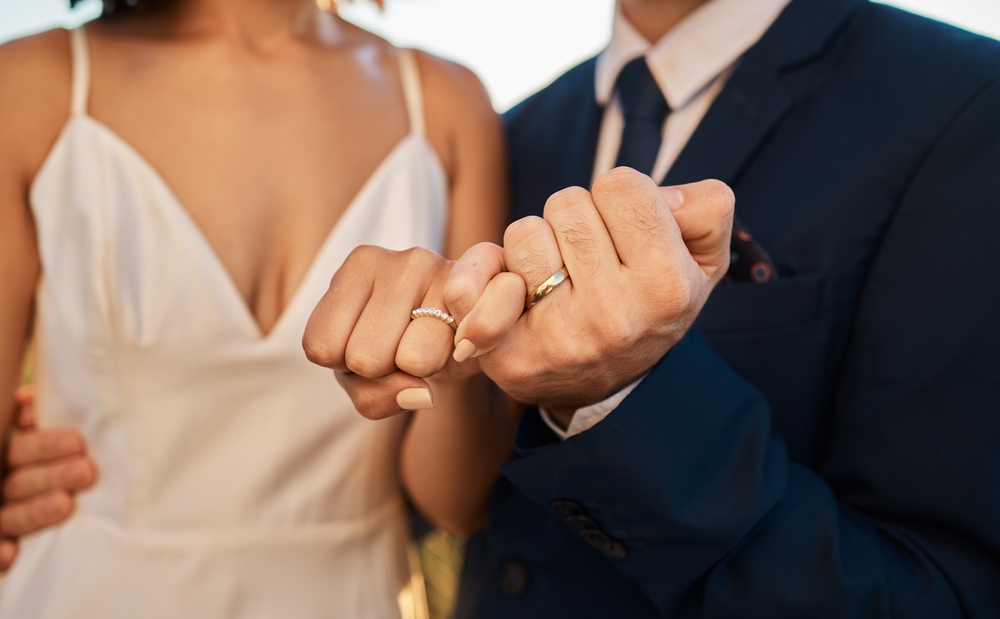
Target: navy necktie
645	110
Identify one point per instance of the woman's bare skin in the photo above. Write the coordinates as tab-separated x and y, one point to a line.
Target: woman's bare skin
265	130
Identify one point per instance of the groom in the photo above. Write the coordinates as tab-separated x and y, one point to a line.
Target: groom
825	443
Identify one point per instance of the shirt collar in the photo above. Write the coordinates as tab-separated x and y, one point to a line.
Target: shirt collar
695	51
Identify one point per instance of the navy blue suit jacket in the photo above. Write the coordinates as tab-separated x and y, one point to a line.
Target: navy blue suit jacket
824	445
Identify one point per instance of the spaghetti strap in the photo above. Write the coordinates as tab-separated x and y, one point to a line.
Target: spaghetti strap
412	89
81	70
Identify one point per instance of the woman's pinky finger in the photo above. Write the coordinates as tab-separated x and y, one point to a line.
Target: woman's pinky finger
494	315
387	396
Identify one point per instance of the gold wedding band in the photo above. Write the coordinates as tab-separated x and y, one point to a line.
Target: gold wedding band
548	286
430	312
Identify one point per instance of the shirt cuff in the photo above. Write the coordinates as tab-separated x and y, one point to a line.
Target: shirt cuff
589	416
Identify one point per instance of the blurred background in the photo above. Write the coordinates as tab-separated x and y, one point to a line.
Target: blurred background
516	46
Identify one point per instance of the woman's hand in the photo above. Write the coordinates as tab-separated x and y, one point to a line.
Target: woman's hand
44	468
363	330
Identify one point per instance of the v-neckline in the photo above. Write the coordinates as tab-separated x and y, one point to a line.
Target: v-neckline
198	235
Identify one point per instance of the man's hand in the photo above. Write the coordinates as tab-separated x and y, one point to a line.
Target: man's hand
642	262
44	468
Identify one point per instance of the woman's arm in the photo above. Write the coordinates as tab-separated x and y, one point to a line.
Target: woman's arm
450	453
34	105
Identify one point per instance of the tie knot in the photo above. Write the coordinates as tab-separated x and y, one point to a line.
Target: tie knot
640	95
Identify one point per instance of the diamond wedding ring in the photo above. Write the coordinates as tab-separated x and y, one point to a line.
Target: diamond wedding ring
430	312
547	286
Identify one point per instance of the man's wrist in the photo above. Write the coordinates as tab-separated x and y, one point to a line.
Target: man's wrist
584	418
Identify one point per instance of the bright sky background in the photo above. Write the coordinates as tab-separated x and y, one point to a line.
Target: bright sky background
516	46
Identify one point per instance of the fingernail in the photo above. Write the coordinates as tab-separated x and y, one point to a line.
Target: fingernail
415	399
674	197
464	350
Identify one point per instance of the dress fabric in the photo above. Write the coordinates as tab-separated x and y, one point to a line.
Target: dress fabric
237	480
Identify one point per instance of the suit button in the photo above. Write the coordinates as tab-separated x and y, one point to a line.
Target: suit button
568	508
596	538
513	578
616	550
582	522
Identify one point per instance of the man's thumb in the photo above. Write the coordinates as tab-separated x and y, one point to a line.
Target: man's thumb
704	215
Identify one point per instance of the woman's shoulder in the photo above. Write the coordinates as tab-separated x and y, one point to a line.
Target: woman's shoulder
34	68
454	88
35	76
461	121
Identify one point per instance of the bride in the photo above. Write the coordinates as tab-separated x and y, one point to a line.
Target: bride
178	182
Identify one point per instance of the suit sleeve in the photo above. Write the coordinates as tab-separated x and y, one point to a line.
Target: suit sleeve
902	519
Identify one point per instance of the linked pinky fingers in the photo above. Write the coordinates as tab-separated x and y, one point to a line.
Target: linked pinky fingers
492	318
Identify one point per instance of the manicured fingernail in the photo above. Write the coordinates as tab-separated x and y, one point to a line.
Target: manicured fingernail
464	350
674	197
414	399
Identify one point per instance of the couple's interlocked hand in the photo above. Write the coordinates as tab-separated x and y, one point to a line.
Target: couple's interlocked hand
642	261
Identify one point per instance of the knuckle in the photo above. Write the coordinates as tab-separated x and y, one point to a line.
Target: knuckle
678	297
322	352
569	198
365	365
615	333
364	253
618	180
417	362
521	230
420	260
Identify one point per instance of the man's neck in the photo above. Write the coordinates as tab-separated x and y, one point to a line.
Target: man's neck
654	18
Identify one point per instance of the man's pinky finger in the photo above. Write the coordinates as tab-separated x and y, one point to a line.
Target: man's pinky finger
470	276
22	517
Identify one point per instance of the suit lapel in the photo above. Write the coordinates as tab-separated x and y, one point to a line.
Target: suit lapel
751	104
756	98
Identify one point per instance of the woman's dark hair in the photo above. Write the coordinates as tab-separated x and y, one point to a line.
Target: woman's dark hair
124	7
127	7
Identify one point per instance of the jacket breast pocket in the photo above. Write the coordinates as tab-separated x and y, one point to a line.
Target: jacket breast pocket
777	336
757	307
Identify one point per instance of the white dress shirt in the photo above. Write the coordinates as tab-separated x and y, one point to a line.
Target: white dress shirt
691	64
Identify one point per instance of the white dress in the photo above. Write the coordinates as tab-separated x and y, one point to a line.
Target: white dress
237	480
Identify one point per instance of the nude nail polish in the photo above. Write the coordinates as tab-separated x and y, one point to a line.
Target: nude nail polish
415	399
464	350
